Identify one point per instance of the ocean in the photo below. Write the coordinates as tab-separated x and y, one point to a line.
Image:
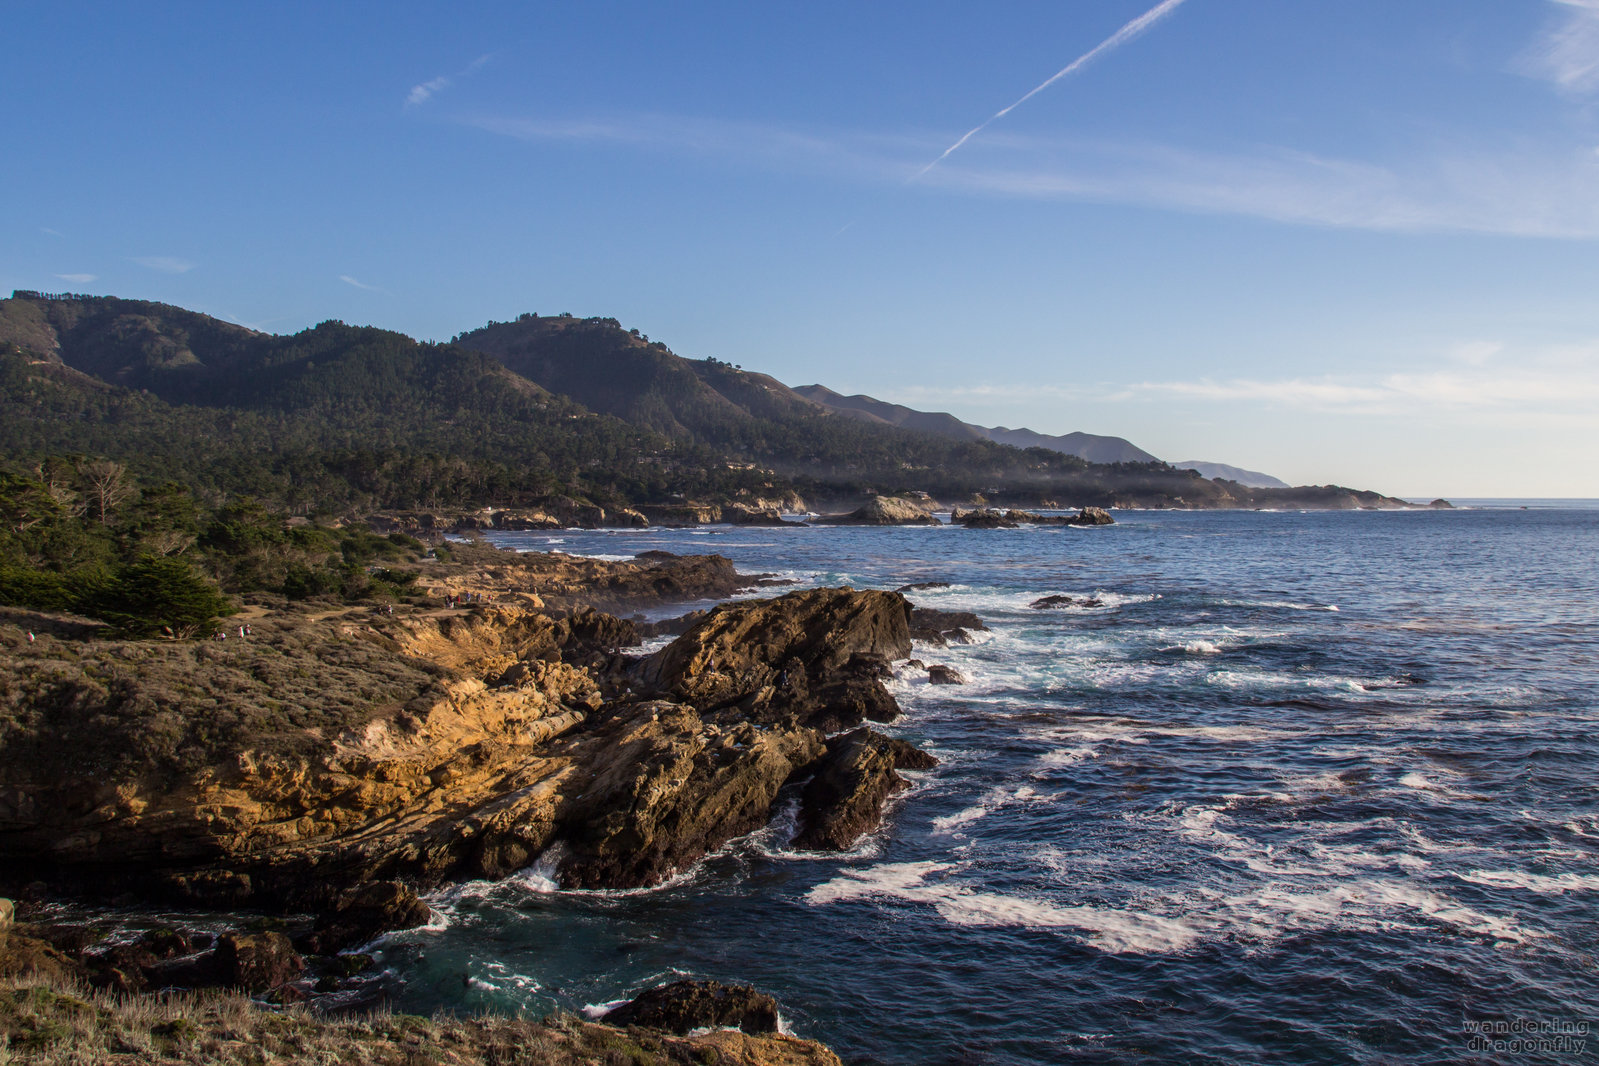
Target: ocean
1301	787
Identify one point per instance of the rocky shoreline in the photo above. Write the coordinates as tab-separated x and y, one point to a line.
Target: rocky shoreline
425	745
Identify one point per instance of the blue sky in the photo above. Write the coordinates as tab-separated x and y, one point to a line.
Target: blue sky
1350	241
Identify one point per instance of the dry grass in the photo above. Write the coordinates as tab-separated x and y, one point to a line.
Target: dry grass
123	708
53	1025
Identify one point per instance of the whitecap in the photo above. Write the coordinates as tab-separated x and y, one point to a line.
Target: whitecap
596	1011
1540	883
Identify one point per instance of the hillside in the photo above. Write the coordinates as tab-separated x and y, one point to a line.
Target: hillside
1094	448
335	416
339	417
1252	478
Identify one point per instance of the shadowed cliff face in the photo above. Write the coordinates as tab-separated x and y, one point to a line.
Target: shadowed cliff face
523	731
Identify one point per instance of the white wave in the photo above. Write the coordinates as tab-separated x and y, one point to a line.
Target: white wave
1175	923
1281	605
1063	757
1540	883
1421	783
596	1011
992	801
1202	647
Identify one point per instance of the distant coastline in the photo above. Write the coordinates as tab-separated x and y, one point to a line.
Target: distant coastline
1542	503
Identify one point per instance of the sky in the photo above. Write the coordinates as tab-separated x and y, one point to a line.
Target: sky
1338	241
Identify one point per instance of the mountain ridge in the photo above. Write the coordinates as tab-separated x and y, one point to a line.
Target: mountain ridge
511	412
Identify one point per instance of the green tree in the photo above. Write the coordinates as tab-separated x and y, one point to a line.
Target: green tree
160	594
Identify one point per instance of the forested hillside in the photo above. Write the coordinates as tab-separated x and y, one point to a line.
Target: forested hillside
344	418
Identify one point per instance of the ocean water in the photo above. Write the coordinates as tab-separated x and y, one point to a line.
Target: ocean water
1307	787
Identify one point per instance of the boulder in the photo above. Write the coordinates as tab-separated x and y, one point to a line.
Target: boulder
939	674
882	511
668	787
939	628
683	514
257	962
361	915
740	647
983	518
683	1006
844	800
740	514
1093	516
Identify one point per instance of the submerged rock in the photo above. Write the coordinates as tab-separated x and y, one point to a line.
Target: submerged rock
1044	603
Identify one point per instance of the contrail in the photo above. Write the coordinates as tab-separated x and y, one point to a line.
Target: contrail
1115	40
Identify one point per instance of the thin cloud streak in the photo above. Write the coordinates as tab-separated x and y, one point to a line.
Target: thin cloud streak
79	279
1511	189
425	91
348	280
1114	41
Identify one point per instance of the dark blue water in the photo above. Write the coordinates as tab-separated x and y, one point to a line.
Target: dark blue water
1307	787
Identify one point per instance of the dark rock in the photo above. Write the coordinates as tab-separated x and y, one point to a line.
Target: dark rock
257	962
740	514
671	789
939	674
939	628
1046	602
362	914
983	518
844	800
670	627
845	704
683	1006
922	586
732	651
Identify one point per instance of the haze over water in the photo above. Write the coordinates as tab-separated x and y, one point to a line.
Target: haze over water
1310	787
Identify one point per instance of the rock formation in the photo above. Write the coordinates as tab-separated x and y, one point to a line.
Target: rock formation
881	511
534	733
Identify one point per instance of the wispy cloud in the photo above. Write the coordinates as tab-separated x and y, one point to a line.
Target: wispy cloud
51	232
166	264
1567	52
361	285
1513	188
1479	379
1114	41
79	279
422	92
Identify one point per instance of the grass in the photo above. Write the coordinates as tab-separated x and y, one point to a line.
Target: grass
124	709
45	1024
